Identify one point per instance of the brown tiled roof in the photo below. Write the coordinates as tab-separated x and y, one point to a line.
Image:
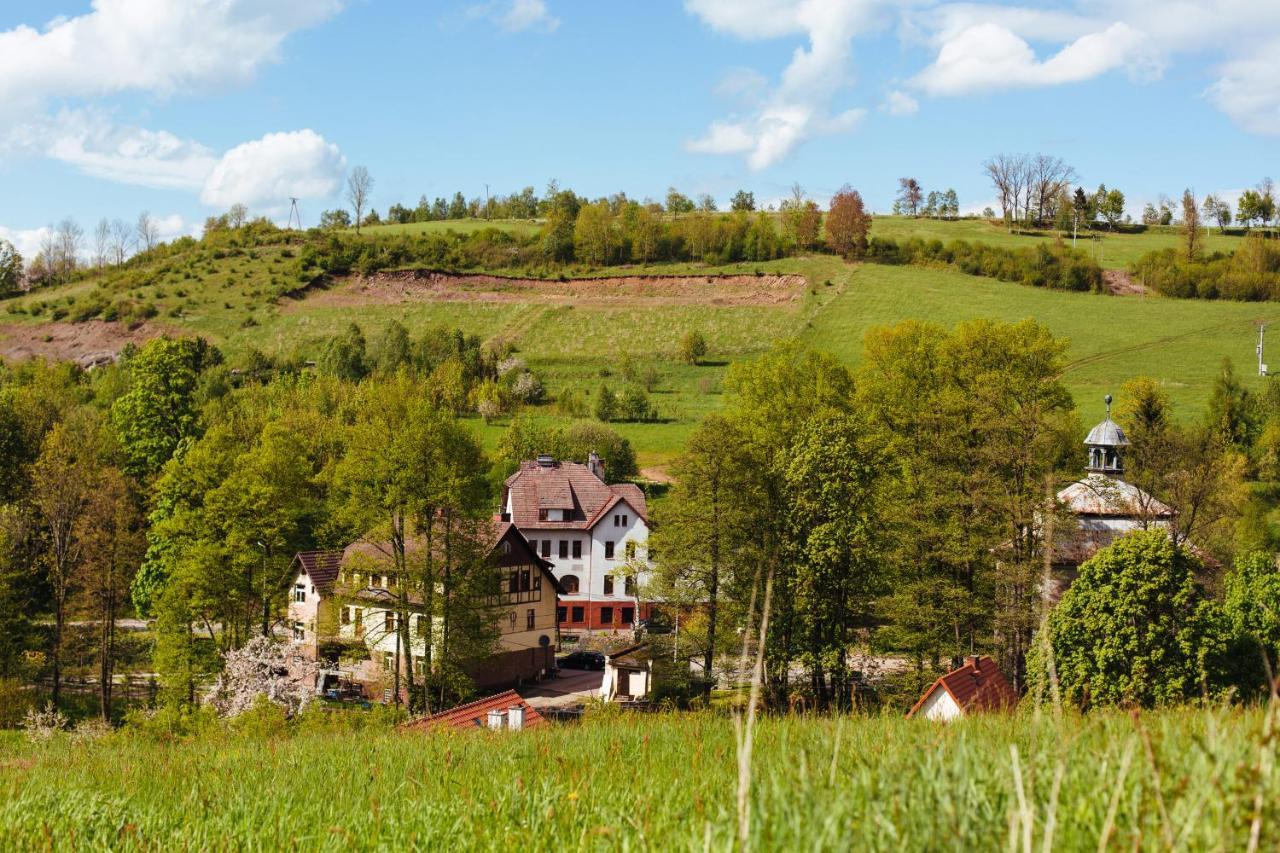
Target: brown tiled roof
977	686
570	486
475	715
321	567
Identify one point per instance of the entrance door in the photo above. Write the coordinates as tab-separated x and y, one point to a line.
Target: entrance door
624	682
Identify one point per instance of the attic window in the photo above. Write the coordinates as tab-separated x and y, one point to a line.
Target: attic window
506	547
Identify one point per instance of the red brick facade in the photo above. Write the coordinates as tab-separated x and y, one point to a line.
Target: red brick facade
600	615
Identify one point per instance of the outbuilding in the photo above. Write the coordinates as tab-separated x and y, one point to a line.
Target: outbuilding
976	687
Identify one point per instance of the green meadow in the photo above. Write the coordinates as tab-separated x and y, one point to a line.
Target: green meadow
575	346
1186	779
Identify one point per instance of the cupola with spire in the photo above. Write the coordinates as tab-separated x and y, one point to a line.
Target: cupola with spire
1105	442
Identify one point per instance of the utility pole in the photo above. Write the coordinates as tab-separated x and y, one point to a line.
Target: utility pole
486	201
1262	332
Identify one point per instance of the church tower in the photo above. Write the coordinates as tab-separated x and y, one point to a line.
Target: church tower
1106	442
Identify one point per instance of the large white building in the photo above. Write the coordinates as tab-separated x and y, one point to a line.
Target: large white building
594	534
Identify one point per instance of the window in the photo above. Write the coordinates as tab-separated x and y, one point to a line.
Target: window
344	616
529	619
606	615
511	619
420	664
631	550
629	586
621	520
626	519
537	580
542	515
628	615
358	618
546	549
608	584
513	581
577	614
577	549
570	584
299	631
525	579
608	550
422	626
562	613
300	593
506	547
564	549
389	622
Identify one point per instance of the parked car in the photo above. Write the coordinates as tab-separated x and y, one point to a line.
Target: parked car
581	660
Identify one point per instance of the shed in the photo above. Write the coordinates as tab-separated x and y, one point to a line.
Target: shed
628	674
976	687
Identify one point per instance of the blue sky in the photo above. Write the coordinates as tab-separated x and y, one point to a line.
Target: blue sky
182	107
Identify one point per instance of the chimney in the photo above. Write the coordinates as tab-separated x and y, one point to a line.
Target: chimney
515	717
497	719
546	460
596	465
972	660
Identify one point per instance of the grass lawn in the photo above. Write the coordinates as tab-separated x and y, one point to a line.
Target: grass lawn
1184	779
1112	251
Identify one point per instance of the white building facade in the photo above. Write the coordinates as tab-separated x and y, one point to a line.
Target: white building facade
594	534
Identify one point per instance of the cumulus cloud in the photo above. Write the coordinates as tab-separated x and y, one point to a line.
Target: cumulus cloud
1248	89
990	56
160	46
800	105
517	15
266	172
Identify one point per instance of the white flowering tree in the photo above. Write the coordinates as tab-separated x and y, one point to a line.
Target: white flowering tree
262	668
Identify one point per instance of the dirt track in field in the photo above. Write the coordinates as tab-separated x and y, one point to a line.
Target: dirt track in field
86	343
393	288
1119	283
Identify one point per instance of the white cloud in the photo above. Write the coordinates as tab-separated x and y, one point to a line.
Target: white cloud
92	143
899	103
158	46
517	15
26	240
800	106
989	56
266	172
1248	89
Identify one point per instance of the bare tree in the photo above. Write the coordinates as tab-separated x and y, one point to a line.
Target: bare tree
121	240
148	232
359	185
1047	179
101	243
68	241
1005	172
909	195
238	215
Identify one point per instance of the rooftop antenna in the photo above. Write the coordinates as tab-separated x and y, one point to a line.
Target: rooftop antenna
293	213
1262	333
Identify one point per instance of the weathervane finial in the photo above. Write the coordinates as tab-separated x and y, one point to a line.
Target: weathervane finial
1107	400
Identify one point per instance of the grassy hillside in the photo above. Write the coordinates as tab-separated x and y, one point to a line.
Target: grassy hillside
1181	779
576	343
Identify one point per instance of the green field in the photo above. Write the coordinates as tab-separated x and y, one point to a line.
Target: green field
577	345
1181	779
1111	251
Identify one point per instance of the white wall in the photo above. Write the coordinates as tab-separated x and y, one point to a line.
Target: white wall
939	706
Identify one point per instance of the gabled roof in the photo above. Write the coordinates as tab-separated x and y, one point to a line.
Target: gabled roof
977	686
569	486
475	715
631	657
1108	497
320	566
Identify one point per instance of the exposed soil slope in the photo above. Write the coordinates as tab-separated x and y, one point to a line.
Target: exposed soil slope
426	285
88	343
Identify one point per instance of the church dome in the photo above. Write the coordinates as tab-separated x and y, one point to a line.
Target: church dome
1106	434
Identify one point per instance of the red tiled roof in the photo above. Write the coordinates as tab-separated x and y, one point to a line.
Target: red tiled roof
977	686
321	567
569	486
475	715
